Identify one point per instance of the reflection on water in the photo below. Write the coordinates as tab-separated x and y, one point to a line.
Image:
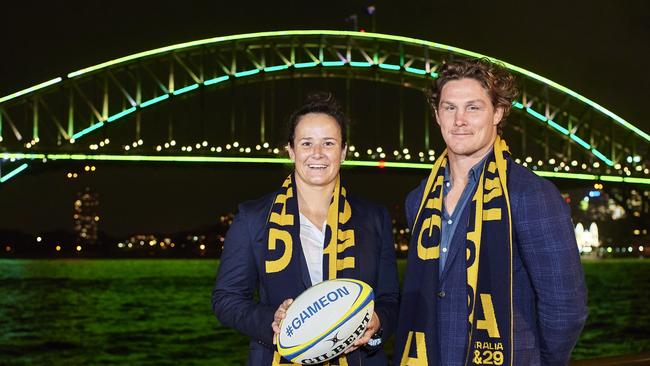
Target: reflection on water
157	312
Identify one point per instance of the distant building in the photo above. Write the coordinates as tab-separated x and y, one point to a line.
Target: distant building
86	217
587	239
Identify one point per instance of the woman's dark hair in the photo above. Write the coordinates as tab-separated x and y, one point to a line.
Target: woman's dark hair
500	84
319	102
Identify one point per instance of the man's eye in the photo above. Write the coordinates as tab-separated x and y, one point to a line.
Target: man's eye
472	108
306	144
450	108
329	143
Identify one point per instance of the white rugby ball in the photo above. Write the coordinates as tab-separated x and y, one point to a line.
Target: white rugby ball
325	320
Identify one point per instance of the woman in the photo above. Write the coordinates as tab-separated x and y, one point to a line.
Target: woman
281	244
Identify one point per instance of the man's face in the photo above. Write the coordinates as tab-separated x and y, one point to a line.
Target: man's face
468	120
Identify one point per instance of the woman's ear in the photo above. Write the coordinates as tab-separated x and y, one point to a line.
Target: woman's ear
292	155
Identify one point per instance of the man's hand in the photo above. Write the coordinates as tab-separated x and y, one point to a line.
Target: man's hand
373	327
278	316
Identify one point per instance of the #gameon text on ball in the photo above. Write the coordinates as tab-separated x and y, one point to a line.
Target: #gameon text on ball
313	309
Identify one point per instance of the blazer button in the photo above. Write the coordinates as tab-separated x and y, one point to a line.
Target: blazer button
441	294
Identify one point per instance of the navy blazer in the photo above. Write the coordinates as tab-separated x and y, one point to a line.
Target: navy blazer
549	292
241	275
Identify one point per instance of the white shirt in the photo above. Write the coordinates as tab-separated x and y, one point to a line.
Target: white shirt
313	241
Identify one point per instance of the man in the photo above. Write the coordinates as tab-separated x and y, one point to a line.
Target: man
493	274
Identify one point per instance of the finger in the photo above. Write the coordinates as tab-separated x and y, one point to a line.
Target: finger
372	329
286	303
351	349
279	315
363	340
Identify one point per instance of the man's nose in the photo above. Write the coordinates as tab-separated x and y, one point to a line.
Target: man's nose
459	118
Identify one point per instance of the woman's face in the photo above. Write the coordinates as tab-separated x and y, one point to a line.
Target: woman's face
317	149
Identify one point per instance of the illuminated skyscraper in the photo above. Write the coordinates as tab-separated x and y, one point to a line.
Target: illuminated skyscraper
86	217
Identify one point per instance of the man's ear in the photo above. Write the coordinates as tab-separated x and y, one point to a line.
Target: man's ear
435	115
498	115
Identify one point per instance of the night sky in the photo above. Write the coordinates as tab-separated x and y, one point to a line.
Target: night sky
599	49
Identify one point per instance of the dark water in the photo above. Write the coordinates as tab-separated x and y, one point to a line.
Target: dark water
157	312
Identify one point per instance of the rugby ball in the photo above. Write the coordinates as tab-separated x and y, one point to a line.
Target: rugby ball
325	320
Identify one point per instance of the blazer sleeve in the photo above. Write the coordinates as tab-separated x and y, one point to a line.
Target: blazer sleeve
412	203
387	291
547	245
237	282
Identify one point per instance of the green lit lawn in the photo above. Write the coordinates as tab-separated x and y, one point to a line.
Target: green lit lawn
157	312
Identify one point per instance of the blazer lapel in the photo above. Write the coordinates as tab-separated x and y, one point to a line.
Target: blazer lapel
304	271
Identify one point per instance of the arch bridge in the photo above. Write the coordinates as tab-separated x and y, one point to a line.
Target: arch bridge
219	100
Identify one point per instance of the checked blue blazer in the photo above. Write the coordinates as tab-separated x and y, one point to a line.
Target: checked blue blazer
549	293
241	276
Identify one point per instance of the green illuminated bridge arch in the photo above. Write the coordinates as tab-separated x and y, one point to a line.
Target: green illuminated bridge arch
81	115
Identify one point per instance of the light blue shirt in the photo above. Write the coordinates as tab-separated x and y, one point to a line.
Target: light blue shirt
450	221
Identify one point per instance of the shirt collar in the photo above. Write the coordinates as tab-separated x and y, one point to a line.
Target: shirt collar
473	173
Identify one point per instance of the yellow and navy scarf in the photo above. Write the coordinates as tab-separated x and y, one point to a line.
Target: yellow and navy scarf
283	271
488	256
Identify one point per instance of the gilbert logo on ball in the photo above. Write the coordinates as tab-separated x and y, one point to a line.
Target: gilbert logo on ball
325	320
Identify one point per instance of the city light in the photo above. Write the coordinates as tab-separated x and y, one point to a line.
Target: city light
121	114
186	89
216	80
154	101
12	173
